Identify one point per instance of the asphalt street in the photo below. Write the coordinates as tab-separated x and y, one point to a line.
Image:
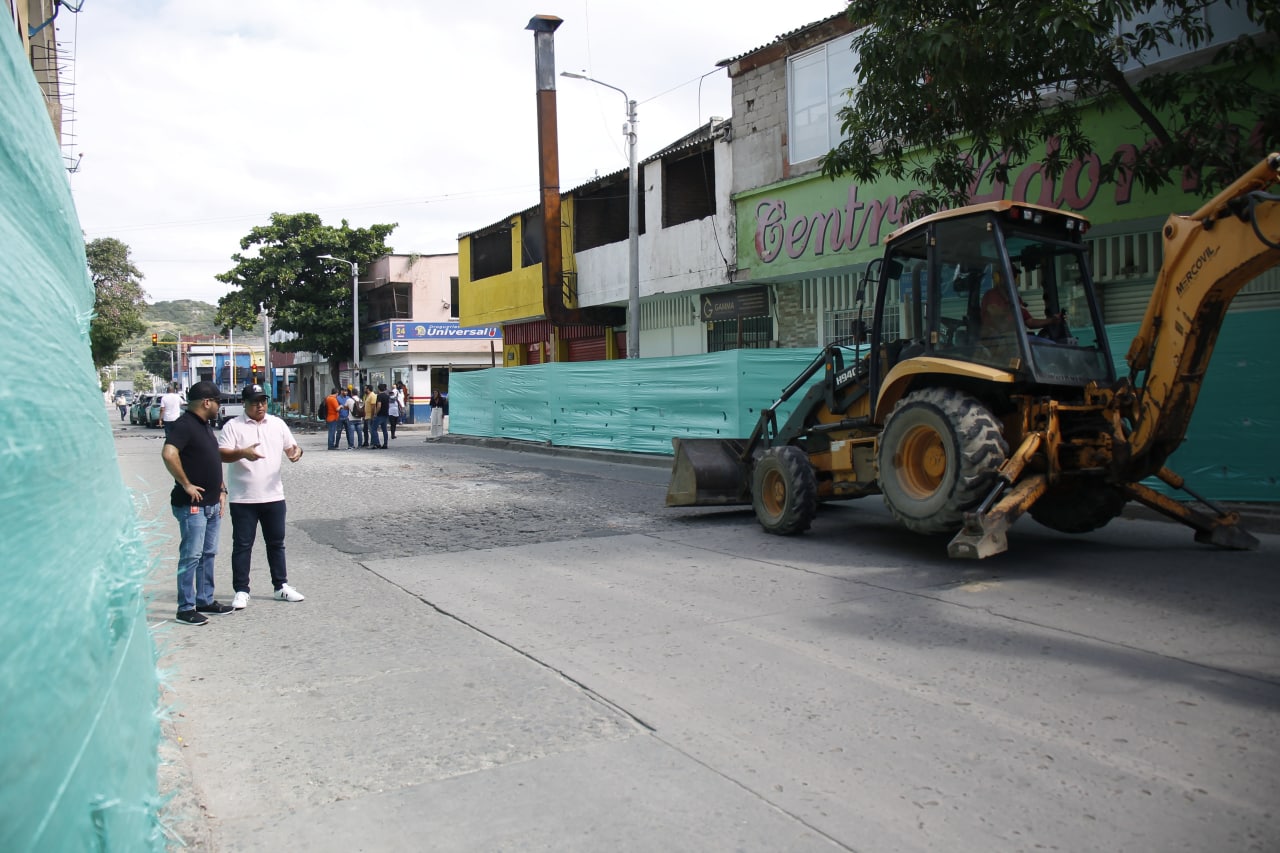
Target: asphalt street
504	650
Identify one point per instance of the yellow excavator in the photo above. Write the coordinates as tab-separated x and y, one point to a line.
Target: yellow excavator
965	409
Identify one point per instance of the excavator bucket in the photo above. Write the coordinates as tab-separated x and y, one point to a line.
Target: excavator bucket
709	472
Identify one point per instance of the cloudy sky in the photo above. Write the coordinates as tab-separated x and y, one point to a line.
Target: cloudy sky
196	120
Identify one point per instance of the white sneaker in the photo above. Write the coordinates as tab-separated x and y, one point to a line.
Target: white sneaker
241	601
288	593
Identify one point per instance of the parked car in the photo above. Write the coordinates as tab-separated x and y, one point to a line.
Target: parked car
230	406
153	412
138	411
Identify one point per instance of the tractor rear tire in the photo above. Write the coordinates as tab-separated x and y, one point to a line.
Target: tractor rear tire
1078	507
938	458
784	490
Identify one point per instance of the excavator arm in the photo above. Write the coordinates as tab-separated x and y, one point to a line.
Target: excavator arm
1208	257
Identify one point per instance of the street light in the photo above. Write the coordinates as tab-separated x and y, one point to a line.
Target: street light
355	315
269	373
633	220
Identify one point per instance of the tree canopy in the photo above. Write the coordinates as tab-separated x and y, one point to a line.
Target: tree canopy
945	87
280	268
119	300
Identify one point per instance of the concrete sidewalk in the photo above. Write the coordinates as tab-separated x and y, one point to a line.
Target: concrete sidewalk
365	718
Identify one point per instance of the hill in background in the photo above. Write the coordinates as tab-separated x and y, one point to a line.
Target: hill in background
188	316
185	317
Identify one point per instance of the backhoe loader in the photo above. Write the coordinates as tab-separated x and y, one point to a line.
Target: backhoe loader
965	410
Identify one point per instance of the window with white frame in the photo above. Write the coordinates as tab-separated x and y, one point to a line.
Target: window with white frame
817	84
1228	24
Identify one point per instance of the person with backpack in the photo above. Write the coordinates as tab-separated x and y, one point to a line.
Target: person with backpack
358	421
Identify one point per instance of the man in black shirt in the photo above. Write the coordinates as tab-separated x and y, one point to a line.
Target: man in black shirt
191	455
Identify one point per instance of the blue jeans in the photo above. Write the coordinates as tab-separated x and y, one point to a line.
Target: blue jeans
196	550
245	519
362	431
334	426
380	423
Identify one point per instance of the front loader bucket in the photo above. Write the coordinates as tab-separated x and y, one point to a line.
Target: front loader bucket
709	472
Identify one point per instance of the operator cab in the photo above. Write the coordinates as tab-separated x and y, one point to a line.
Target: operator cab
1003	285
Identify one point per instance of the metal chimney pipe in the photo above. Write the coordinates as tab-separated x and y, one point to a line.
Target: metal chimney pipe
544	51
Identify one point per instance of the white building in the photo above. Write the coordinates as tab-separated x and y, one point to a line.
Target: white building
409	333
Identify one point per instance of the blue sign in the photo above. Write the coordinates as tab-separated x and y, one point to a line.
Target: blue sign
410	331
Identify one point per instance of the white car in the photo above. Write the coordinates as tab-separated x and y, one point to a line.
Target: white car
229	406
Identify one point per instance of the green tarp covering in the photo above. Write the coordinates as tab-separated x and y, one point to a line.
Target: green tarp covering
1232	448
78	691
636	406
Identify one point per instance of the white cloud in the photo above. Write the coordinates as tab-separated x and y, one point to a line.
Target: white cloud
197	120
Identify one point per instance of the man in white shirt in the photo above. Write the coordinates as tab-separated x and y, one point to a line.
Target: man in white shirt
171	407
252	446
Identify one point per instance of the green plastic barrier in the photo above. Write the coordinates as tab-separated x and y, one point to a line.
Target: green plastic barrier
1230	452
634	406
78	691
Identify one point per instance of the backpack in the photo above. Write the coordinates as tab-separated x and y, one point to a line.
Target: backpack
357	408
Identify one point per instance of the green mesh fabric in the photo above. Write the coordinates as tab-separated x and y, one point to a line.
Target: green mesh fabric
78	688
636	406
1230	450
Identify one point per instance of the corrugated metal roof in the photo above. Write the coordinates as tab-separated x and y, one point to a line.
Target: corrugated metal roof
783	37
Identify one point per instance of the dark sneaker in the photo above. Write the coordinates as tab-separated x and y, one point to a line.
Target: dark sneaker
191	617
215	607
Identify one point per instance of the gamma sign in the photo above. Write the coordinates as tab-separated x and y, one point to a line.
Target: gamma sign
733	304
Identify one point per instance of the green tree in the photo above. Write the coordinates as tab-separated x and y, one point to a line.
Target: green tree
946	87
119	300
160	360
303	293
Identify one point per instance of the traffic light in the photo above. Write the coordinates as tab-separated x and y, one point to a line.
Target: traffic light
155	339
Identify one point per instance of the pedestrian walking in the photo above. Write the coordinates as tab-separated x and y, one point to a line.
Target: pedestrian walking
380	416
253	445
191	455
171	403
123	405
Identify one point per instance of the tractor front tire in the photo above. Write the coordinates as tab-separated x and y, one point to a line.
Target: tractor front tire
784	491
938	458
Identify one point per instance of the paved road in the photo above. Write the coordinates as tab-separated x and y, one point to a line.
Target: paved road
512	651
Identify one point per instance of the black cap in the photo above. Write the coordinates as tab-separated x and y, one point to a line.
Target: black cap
203	391
252	393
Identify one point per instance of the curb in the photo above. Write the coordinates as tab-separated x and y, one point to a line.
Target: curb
620	457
